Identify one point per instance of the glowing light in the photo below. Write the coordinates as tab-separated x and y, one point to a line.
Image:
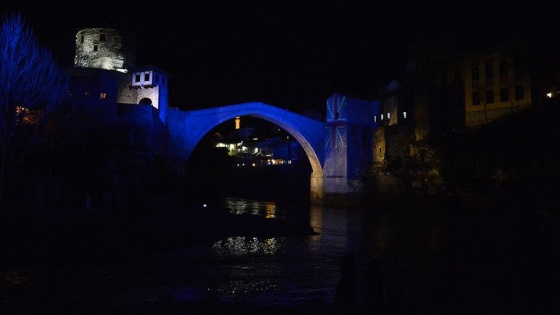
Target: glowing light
381	116
204	205
549	94
404	115
388	115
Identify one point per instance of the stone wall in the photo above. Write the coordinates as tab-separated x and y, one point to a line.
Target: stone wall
104	48
478	118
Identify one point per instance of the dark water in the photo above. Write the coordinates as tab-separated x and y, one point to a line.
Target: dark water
287	271
437	256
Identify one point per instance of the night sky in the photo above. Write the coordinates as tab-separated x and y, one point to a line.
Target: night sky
292	54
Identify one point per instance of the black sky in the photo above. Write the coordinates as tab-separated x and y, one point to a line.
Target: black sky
292	54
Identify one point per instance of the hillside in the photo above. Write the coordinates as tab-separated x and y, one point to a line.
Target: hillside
512	164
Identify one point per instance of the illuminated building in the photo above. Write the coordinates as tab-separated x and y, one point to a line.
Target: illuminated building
395	105
467	88
491	82
104	48
104	72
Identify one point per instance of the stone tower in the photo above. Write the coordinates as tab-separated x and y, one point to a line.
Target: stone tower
105	48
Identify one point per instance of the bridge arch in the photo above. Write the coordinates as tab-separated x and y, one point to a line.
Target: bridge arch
187	128
306	131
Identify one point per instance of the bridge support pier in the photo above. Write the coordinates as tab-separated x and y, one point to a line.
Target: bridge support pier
336	190
316	186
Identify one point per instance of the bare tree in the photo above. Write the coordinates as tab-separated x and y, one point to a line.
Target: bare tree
32	90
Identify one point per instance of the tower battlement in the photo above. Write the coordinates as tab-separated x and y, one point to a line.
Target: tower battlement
105	48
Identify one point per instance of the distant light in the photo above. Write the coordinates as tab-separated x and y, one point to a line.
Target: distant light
381	116
549	94
388	115
404	115
375	118
204	205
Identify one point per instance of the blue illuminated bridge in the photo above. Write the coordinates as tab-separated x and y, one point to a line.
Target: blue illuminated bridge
338	149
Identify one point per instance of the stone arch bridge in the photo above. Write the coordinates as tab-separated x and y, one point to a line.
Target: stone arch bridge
329	145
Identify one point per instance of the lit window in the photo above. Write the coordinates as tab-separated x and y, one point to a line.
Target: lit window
404	115
549	95
102	96
375	117
381	116
388	115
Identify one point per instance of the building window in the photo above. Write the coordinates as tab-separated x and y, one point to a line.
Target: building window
404	115
374	118
95	47
476	98
102	37
388	115
381	116
82	39
504	95
137	78
519	92
489	97
102	96
475	73
489	71
503	69
147	76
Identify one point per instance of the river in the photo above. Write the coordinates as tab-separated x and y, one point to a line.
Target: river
436	256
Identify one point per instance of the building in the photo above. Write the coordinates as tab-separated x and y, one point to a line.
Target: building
395	104
487	84
103	53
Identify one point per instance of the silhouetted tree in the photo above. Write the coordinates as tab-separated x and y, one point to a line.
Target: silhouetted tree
32	90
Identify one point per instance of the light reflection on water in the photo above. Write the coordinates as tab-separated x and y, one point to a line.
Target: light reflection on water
241	245
267	209
283	270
